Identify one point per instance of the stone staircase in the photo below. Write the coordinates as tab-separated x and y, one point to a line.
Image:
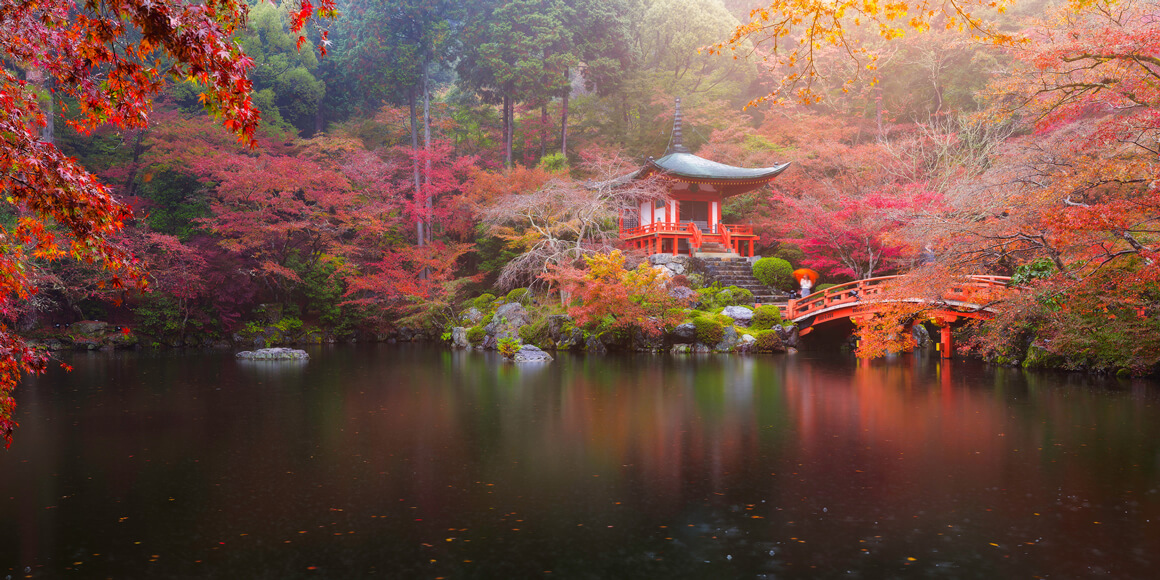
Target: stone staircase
737	271
715	249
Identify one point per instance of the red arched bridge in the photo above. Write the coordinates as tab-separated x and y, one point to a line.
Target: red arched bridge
967	298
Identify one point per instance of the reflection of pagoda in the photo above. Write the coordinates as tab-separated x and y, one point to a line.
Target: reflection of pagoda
689	221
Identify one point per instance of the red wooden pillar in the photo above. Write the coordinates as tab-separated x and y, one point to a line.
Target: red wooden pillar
674	239
946	345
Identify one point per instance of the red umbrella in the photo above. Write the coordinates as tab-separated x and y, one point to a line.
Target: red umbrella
805	273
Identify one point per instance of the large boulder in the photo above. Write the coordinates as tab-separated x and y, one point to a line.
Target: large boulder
594	346
507	321
920	335
729	340
684	334
471	316
573	340
648	342
788	336
740	314
559	326
459	337
531	354
513	313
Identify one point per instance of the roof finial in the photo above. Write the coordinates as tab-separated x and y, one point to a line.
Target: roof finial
675	144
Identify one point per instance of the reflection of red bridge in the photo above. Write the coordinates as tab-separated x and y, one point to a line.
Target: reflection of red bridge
862	298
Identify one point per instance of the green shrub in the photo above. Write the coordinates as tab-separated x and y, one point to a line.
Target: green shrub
508	347
821	287
484	301
475	334
554	162
768	341
289	324
520	295
716	298
709	331
774	272
732	296
765	318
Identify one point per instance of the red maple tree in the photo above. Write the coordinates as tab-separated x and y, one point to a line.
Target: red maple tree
110	58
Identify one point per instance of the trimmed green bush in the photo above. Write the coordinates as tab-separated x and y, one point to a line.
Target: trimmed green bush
768	341
821	287
765	318
475	334
519	295
483	301
774	272
709	331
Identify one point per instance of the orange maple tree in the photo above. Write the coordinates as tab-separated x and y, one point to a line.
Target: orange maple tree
110	57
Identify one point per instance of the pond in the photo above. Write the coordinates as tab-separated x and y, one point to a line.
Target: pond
415	462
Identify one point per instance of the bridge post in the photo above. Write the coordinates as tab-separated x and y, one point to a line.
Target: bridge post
946	345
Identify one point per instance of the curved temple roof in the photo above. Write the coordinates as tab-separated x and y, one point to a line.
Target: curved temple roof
693	167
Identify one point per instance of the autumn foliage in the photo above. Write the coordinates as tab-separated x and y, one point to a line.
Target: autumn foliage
109	59
606	293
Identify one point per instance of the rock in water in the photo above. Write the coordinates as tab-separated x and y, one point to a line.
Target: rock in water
273	354
684	334
459	337
531	354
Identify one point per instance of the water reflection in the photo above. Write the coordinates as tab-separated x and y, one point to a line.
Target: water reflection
412	462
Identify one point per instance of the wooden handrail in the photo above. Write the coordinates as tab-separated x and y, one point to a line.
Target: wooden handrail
726	239
844	293
698	238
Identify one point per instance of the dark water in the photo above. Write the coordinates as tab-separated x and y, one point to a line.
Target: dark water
414	462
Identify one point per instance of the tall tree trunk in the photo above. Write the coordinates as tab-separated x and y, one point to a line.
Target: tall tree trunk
428	203
543	131
564	123
878	110
415	172
138	149
508	129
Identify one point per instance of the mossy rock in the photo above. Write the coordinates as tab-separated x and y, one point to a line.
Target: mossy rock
768	341
484	302
520	295
709	331
765	317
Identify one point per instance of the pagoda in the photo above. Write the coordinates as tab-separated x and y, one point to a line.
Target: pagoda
689	220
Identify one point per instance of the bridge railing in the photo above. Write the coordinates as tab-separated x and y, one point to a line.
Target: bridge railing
976	290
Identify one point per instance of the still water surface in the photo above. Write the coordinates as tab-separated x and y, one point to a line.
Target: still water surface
413	462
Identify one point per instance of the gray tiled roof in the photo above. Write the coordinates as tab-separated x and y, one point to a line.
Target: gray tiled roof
692	166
